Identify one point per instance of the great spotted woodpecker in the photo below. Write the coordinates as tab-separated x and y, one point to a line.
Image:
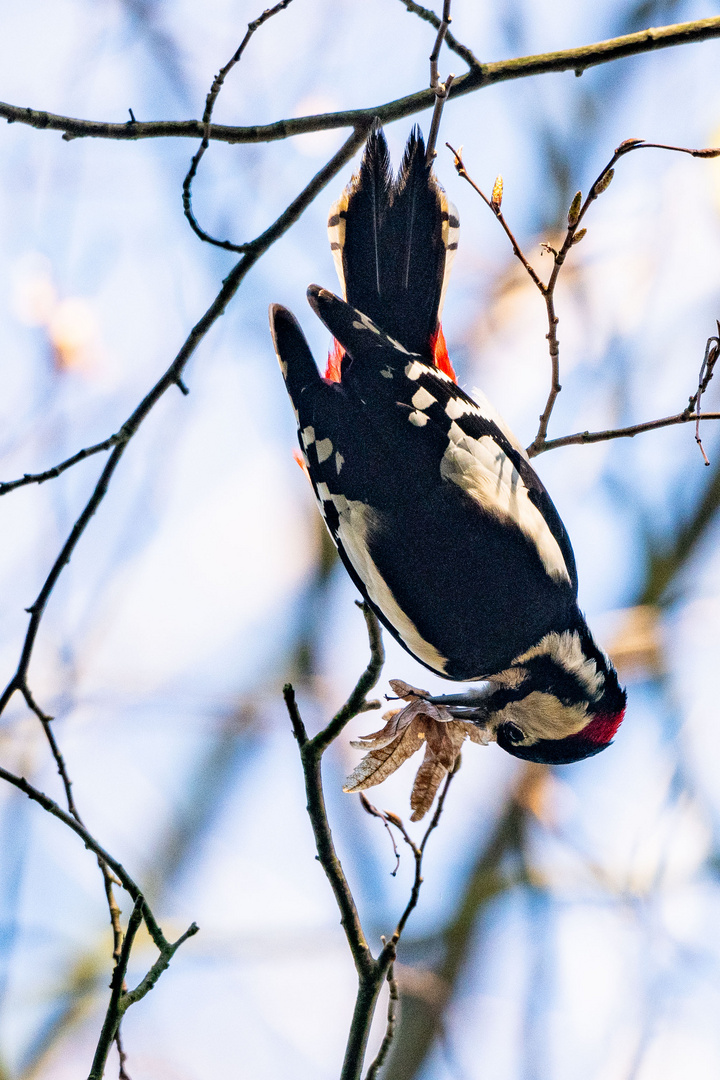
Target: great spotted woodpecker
437	514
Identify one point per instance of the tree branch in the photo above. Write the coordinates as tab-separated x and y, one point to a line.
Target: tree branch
357	700
582	437
577	59
371	972
112	1016
56	470
450	40
92	844
212	96
171	377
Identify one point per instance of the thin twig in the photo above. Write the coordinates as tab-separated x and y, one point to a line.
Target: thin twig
311	751
390	1028
122	1072
579	438
121	1000
387	821
109	878
450	40
356	702
56	470
112	1015
706	373
441	35
170	378
574	234
418	852
576	59
212	96
93	845
442	92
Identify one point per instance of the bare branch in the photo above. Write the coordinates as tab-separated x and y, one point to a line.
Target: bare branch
92	844
356	702
121	1001
442	92
390	1029
311	751
171	377
212	96
56	470
441	35
707	368
450	40
371	972
573	235
577	59
387	822
112	1015
582	437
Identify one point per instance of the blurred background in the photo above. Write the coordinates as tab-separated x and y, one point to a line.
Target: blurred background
568	924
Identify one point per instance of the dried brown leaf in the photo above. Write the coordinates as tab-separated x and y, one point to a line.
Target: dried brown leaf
429	778
381	762
444	740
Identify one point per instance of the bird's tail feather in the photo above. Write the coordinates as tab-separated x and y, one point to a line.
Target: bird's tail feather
393	241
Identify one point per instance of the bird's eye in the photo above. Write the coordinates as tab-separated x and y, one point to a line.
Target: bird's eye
513	733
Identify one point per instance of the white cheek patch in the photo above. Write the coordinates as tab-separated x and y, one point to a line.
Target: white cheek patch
488	476
357	521
543	716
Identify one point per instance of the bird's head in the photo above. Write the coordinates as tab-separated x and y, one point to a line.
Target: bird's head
559	702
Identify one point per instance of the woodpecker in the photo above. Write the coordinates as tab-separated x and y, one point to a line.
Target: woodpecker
436	512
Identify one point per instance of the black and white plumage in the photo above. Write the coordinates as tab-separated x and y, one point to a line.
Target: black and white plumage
437	514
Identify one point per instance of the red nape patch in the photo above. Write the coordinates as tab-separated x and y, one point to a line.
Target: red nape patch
335	356
603	727
440	353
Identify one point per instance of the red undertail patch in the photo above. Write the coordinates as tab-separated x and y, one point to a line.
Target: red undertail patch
440	354
334	364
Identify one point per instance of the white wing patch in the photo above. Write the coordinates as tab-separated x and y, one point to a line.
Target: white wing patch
324	448
419	419
488	476
308	436
416	368
357	521
423	399
566	650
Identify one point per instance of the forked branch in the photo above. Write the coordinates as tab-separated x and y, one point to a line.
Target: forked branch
573	235
371	972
